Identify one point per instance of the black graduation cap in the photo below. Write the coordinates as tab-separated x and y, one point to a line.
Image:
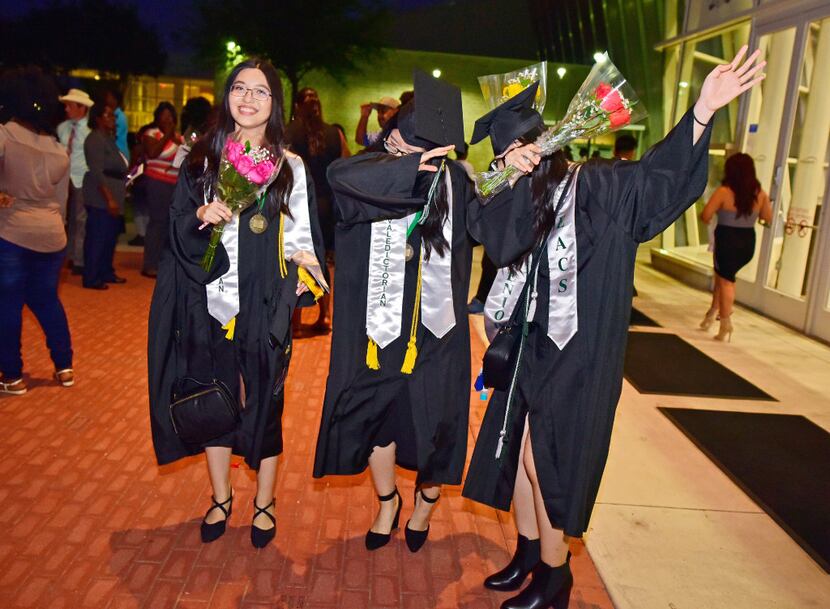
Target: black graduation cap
433	117
509	121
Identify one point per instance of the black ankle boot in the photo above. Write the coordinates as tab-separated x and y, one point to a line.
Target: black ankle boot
550	588
528	554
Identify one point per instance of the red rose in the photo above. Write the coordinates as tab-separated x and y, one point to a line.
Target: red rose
612	102
620	118
602	90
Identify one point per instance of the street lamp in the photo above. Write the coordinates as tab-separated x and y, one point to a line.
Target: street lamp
561	72
436	73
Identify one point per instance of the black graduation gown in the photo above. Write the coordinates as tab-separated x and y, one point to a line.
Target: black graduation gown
571	395
186	342
359	401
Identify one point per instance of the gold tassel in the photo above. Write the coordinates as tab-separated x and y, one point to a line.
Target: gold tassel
283	265
411	348
230	327
309	280
372	361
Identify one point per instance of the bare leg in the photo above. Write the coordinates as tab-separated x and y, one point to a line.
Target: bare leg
266	479
727	297
554	543
524	511
219	470
382	465
715	295
423	509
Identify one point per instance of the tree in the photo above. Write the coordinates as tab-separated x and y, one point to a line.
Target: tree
95	34
335	36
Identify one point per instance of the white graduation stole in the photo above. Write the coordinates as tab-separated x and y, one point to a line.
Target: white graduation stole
563	322
223	293
387	272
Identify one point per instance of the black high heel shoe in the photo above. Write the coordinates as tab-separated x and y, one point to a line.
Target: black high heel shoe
378	540
212	532
416	539
528	554
262	537
550	588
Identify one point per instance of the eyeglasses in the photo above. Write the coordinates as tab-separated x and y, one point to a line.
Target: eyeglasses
258	93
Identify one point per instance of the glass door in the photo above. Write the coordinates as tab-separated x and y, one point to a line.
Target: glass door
787	131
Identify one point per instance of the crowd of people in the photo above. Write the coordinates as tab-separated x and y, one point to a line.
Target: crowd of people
398	222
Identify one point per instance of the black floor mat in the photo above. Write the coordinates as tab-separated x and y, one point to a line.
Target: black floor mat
781	461
666	364
640	319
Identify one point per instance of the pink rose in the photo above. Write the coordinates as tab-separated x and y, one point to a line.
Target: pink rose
620	118
243	165
233	150
612	102
602	90
265	169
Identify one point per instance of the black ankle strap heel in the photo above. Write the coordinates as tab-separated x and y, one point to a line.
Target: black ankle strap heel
378	540
415	540
262	537
212	532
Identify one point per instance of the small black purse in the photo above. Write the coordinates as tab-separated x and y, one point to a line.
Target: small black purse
500	359
205	412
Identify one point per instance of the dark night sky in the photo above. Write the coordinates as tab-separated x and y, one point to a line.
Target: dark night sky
162	13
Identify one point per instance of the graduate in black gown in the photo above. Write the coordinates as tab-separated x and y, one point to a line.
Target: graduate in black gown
546	452
233	322
399	381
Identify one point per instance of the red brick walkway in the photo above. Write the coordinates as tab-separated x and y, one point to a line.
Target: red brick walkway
89	520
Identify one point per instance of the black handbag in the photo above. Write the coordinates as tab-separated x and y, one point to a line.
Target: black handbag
204	413
500	359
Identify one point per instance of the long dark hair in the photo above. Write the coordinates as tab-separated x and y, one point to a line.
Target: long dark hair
211	146
543	182
739	176
311	123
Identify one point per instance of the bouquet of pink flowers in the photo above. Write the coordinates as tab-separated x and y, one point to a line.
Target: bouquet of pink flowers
244	175
605	102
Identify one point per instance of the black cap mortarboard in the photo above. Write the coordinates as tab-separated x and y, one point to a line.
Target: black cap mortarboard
509	121
433	117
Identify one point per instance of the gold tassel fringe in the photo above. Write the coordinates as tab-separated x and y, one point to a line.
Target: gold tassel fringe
231	328
372	361
309	280
411	348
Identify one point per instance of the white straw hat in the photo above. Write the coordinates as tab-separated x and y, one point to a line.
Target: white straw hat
79	97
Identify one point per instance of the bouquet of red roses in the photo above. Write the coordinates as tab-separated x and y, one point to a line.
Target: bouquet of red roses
605	102
244	175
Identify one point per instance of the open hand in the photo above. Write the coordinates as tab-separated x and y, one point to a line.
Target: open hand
213	213
433	154
524	158
726	82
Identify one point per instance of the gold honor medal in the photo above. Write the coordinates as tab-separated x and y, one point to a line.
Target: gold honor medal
258	223
409	252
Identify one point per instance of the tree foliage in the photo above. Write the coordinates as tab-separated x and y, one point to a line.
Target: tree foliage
95	34
297	36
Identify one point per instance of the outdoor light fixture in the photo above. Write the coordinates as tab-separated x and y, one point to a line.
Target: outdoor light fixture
598	57
561	72
436	73
231	46
683	84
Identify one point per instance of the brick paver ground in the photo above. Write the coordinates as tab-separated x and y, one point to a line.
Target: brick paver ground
89	520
